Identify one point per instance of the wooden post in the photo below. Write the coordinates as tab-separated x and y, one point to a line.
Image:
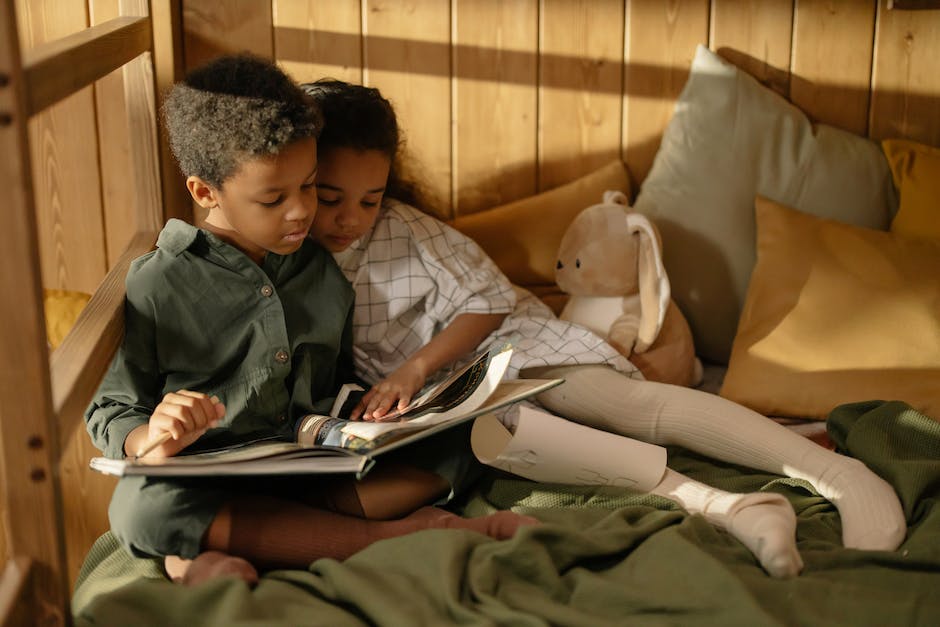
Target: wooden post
28	444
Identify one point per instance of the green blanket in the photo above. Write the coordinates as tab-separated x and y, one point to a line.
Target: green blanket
603	556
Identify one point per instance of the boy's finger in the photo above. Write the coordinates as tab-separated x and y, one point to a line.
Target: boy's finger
205	408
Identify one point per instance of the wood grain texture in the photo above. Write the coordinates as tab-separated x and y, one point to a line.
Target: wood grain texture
211	28
319	38
755	35
660	45
905	100
117	181
64	152
406	53
29	495
16	593
831	61
495	102
580	79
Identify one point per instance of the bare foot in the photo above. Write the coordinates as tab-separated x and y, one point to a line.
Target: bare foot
210	565
500	525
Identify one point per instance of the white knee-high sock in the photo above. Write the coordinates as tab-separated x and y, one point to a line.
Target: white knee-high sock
601	397
763	522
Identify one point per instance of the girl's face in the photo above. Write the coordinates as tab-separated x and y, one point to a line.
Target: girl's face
269	203
350	185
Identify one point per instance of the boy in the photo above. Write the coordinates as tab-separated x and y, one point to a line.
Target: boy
234	332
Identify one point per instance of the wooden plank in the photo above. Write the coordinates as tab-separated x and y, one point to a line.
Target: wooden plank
81	360
16	603
319	38
114	152
495	102
76	370
660	45
212	28
831	62
406	54
580	83
29	496
64	151
755	35
58	69
905	99
167	19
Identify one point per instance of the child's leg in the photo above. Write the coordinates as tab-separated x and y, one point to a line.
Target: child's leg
338	518
599	396
763	522
275	533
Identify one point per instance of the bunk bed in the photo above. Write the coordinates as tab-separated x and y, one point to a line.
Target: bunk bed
603	556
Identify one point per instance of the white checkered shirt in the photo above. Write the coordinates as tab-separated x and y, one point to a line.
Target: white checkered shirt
414	274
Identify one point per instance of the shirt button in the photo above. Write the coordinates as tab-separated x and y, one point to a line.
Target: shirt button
281	357
266	290
281	418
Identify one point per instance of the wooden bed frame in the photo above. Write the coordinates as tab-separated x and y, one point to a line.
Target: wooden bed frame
43	397
572	102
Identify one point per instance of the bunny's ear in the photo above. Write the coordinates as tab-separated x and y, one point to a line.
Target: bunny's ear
653	282
614	197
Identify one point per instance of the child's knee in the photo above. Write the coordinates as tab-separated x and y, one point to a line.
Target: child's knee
153	519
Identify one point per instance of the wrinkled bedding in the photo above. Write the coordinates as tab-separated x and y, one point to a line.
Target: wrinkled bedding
604	556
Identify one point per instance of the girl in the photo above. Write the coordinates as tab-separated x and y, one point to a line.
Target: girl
427	296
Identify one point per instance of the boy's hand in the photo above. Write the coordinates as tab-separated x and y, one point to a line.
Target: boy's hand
185	416
395	391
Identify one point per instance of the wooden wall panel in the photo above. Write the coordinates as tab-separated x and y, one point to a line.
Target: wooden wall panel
905	99
580	79
406	54
212	28
65	162
755	35
495	102
660	44
831	61
117	180
319	38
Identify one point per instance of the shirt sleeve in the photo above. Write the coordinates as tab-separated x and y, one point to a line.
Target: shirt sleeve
128	394
466	280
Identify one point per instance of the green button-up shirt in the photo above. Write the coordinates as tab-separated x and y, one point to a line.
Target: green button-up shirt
272	341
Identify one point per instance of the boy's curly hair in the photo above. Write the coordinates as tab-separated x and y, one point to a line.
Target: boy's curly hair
234	108
359	117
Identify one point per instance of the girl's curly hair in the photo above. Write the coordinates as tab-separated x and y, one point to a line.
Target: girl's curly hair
234	108
359	117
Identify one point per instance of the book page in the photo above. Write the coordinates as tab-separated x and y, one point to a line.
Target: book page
481	382
554	450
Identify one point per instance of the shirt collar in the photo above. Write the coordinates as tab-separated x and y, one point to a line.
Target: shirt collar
177	236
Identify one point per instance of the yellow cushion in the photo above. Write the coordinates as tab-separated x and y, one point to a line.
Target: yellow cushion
62	309
836	313
522	237
916	171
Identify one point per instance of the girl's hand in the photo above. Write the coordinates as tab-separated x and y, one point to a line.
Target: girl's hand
395	391
185	416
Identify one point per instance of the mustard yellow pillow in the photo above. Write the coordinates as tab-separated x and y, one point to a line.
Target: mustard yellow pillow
836	313
62	309
522	237
916	172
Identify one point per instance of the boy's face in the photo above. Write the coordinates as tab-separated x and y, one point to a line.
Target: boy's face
350	185
268	205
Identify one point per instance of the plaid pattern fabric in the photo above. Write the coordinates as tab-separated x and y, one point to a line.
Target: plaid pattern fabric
414	274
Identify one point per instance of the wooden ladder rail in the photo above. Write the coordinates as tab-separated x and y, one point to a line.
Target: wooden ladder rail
38	399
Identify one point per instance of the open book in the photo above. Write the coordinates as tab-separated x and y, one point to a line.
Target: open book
334	444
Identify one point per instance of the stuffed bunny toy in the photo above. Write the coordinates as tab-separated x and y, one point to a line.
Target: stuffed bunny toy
610	265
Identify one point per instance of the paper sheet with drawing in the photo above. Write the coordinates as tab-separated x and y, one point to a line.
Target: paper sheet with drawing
547	448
